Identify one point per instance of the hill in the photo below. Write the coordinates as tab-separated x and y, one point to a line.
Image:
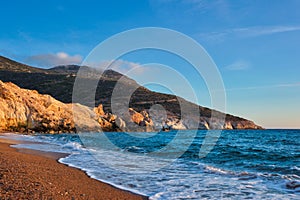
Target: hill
58	82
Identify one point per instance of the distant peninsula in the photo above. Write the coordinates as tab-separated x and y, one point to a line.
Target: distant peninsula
40	100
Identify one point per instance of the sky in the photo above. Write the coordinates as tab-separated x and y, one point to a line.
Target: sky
255	44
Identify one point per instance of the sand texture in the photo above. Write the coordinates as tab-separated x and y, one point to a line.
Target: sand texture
28	175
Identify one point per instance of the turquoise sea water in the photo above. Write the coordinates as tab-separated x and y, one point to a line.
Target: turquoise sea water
243	164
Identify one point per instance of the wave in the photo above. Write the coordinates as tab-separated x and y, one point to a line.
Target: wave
243	174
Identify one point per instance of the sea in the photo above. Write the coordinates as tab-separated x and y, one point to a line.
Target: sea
190	164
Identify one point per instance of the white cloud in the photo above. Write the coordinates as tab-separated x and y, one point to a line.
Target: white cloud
238	65
284	85
50	60
245	32
121	66
259	31
289	85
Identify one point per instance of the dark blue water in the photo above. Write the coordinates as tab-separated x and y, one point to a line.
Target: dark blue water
244	164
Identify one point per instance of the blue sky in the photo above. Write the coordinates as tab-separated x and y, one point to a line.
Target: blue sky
254	43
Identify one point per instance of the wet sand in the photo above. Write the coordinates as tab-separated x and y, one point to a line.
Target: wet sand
30	174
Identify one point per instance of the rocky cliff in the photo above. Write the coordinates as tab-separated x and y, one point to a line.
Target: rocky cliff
23	110
26	110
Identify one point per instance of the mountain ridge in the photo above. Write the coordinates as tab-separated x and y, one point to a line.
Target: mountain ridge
58	82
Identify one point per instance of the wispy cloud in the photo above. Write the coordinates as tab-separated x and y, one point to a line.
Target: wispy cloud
221	7
289	85
199	5
284	85
244	32
238	65
49	60
259	31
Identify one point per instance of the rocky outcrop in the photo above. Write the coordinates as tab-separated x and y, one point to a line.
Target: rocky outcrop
99	110
23	110
204	123
141	119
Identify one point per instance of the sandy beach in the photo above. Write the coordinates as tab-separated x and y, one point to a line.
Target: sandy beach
26	174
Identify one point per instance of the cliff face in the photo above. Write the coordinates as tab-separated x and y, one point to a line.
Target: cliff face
22	110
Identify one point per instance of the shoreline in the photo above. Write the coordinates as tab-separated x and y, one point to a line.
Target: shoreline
33	174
